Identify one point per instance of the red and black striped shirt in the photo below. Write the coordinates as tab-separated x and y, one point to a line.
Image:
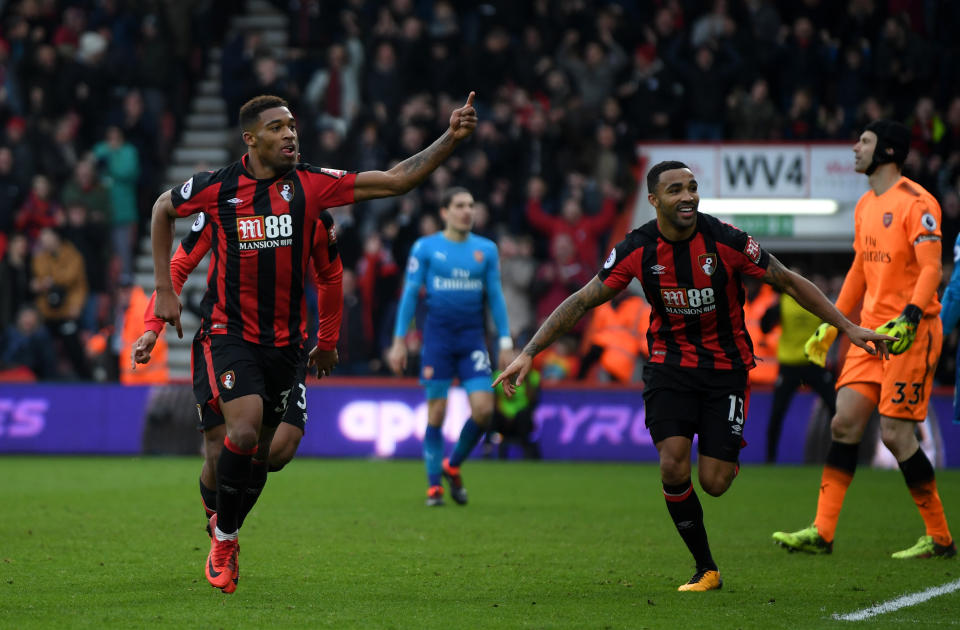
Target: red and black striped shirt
264	234
695	291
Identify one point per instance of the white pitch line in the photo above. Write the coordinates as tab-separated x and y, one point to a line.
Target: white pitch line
900	602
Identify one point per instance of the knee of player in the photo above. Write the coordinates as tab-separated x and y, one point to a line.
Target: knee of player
243	437
717	485
901	440
843	427
674	471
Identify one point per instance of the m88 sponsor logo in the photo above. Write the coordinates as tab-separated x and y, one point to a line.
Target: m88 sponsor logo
688	301
263	232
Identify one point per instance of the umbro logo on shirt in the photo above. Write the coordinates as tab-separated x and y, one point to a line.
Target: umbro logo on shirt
658	270
235	201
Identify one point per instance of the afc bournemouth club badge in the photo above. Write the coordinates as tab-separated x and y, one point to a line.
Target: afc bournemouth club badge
428	372
228	379
708	262
285	188
887	219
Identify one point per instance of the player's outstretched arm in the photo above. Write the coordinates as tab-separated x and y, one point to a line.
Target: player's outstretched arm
562	319
812	299
408	174
167	306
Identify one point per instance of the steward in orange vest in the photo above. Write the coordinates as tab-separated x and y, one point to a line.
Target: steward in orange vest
618	336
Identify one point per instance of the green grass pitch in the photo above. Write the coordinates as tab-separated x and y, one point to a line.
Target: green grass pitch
119	543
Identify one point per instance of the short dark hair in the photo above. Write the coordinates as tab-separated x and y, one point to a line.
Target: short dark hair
251	110
450	193
653	175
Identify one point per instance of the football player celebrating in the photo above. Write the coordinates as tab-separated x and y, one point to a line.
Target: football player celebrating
690	266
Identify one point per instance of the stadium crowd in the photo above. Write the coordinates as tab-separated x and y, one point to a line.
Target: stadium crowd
94	93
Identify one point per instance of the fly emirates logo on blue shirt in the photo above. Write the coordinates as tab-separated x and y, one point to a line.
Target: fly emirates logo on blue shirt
460	280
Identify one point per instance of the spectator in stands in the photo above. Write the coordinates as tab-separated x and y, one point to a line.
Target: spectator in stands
60	284
583	230
26	343
15	275
12	190
85	189
853	79
801	118
39	211
120	162
561	275
58	154
804	57
88	81
378	278
753	116
235	63
648	93
355	344
517	270
594	67
92	243
24	155
706	84
384	85
333	93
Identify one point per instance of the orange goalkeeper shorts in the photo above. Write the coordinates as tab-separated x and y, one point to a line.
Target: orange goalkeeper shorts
900	386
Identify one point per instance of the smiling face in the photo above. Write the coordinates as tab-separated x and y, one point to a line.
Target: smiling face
676	200
863	151
273	140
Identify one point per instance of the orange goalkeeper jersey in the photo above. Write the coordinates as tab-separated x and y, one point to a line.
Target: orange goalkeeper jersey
887	228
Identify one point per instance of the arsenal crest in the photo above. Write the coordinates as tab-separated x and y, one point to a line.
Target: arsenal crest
285	188
428	372
478	255
228	379
887	219
708	262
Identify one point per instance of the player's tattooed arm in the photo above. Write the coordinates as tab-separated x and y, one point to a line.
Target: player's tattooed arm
409	173
812	299
565	316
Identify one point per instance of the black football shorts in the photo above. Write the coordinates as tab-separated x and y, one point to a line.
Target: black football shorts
711	404
227	367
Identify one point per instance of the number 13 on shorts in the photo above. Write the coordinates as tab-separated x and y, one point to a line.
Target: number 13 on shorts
735	416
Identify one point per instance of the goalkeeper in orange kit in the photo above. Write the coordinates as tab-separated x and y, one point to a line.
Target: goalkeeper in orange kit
896	272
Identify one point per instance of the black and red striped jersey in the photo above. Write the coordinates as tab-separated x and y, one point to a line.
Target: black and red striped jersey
695	291
194	247
264	233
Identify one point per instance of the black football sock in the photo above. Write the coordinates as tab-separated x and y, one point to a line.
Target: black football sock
258	479
233	474
208	496
687	515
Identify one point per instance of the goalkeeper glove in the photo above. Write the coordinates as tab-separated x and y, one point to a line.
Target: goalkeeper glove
903	327
818	344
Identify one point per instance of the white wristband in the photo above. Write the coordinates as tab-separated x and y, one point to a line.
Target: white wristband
506	343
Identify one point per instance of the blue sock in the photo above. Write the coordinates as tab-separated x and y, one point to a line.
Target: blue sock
469	436
433	454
